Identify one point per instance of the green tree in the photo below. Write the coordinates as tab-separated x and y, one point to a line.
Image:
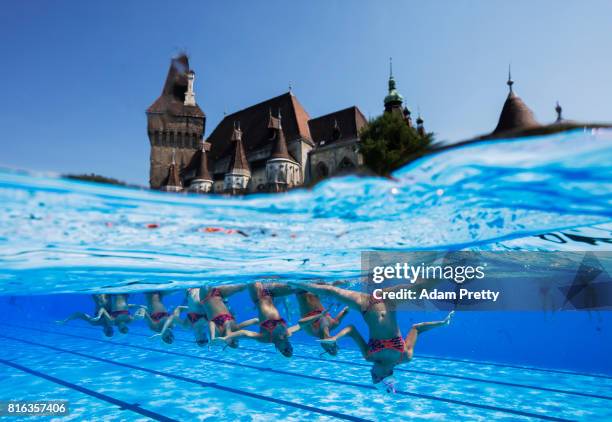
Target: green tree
388	143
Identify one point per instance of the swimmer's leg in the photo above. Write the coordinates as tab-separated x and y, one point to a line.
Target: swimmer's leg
279	289
421	327
352	298
230	289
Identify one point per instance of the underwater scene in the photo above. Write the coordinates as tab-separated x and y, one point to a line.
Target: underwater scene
130	304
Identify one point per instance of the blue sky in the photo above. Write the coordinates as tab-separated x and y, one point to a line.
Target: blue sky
77	76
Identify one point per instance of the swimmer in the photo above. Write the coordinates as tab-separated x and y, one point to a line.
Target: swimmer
386	347
101	302
220	321
196	320
119	313
273	328
310	305
158	318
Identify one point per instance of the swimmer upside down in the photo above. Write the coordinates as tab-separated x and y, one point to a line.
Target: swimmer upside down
209	317
316	321
102	302
272	327
386	347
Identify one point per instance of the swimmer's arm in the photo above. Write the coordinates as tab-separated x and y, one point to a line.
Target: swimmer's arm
247	323
242	334
294	329
148	318
103	313
169	322
352	332
336	321
77	315
304	322
177	311
212	330
175	316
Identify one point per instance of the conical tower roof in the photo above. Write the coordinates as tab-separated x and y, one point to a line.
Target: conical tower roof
279	149
515	114
202	171
173	175
238	159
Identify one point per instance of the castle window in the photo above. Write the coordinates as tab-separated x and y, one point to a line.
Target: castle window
322	170
171	140
346	164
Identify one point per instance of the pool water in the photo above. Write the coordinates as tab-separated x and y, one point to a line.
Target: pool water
134	378
62	240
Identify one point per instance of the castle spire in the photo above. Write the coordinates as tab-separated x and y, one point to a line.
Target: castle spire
393	100
239	160
559	110
173	182
279	149
237	178
510	81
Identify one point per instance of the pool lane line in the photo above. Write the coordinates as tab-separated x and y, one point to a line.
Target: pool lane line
474	362
412	371
100	396
216	386
282	372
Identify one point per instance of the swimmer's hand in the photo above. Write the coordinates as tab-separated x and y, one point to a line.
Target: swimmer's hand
219	341
448	318
140	313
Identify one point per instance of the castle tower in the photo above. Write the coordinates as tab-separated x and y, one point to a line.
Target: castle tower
173	180
393	100
515	115
282	171
420	126
202	183
174	122
238	176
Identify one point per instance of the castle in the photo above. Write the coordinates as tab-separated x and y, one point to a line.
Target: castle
271	146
